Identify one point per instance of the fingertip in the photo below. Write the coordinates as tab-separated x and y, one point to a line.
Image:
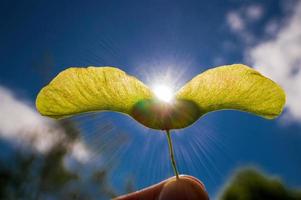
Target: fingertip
192	178
186	187
149	193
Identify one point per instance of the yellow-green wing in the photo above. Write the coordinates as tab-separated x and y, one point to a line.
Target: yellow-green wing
79	90
234	87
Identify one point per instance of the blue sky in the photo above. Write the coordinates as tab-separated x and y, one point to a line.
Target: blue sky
175	40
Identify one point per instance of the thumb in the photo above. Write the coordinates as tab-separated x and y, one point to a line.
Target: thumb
186	187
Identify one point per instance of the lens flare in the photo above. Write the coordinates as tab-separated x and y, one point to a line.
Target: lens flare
163	93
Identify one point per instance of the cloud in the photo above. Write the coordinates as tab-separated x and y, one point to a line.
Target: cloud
280	59
254	12
79	152
272	28
240	20
235	21
24	127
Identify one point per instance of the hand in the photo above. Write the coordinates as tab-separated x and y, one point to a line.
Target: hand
184	188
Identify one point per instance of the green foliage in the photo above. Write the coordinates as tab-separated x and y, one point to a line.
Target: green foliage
249	184
13	182
32	176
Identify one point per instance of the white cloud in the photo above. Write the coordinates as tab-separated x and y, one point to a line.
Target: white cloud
80	152
235	21
272	28
23	126
240	20
254	12
280	59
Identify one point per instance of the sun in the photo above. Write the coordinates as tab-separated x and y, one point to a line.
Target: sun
163	92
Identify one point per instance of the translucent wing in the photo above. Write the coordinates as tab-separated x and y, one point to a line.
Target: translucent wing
79	90
234	87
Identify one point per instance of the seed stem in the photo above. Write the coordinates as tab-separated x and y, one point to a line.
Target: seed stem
171	152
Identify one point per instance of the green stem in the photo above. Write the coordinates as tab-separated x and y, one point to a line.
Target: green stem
171	152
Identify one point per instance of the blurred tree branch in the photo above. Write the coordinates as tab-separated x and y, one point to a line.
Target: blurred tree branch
250	184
